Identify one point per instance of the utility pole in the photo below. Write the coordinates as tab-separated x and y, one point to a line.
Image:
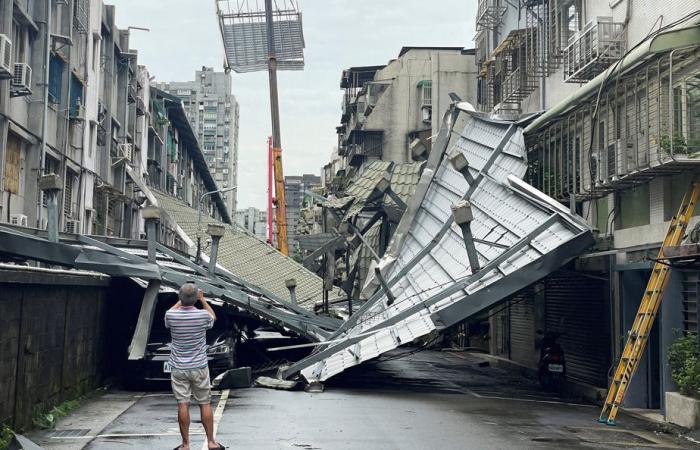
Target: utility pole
281	210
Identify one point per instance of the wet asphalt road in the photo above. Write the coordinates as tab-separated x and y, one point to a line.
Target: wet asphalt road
429	400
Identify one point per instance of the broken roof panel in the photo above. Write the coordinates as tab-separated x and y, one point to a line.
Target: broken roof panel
520	236
252	260
403	181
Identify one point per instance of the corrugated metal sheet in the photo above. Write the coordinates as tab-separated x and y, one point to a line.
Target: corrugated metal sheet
439	288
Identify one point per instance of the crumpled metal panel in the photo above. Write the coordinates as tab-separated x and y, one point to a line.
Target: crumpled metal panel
521	234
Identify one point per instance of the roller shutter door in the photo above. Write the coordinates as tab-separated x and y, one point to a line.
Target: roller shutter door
576	305
522	328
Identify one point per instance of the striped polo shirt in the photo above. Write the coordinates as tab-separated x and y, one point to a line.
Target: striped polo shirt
188	330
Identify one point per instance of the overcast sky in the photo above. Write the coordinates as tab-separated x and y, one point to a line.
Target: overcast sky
185	36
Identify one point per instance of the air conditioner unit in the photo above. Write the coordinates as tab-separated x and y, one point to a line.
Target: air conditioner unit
72	226
18	219
124	151
620	158
22	76
6	69
78	113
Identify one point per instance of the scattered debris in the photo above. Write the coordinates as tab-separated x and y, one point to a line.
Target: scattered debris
241	377
276	383
426	281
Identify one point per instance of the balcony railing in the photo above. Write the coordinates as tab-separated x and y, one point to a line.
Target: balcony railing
594	49
131	90
488	15
516	86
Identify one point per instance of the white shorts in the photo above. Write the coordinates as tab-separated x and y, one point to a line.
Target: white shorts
191	384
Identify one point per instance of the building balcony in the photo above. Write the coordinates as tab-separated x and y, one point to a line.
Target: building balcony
593	49
132	94
489	15
517	86
140	106
364	144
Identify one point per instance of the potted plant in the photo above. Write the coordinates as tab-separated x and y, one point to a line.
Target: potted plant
683	407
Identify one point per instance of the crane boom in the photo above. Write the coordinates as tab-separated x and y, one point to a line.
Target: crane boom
281	211
280	201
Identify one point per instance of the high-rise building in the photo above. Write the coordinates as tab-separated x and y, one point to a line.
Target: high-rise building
254	221
213	111
295	188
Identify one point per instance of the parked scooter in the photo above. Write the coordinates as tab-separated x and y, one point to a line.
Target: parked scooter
552	366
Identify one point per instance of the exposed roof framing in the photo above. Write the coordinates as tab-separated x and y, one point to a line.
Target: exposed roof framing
428	283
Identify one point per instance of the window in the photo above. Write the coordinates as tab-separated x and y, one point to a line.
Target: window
76	96
686	116
56	65
13	164
634	207
570	20
68	193
20	38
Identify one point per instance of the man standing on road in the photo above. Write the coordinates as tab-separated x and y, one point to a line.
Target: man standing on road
188	358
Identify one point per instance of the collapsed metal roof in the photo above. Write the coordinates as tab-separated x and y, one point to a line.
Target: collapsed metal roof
426	281
168	269
252	260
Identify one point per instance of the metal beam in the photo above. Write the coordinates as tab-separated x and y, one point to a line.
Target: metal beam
38	249
332	244
390	299
137	349
299	324
400	203
328	322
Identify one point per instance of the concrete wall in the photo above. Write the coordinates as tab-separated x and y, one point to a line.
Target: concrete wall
398	110
52	340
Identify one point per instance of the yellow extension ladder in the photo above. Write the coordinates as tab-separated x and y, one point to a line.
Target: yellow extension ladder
649	307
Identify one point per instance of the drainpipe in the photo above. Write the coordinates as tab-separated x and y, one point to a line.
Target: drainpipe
45	112
292	286
151	215
543	77
216	232
51	185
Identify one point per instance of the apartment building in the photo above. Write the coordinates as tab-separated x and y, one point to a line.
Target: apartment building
254	221
213	113
91	118
618	143
387	111
296	188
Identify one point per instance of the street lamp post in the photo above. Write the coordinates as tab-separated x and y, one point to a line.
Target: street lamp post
199	215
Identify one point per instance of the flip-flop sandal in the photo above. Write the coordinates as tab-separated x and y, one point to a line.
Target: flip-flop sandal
220	447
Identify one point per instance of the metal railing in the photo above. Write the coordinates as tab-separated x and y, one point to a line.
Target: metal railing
594	49
489	16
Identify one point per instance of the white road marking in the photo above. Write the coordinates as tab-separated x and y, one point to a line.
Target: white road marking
124	435
218	414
